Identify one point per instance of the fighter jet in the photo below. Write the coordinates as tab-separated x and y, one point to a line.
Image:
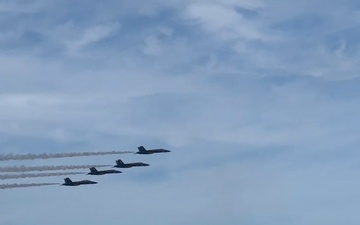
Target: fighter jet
68	182
142	150
121	164
94	171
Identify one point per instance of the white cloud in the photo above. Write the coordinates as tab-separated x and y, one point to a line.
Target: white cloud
224	21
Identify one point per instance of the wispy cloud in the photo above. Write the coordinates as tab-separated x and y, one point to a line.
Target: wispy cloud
88	36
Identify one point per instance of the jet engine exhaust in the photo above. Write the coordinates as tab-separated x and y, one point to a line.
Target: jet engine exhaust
10	186
31	175
30	156
22	168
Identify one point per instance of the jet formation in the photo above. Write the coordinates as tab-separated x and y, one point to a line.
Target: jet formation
119	164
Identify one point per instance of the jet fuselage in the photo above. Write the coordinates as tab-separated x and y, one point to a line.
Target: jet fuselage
129	165
68	182
103	172
143	151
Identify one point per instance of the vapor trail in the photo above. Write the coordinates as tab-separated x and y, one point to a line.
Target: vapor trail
30	156
9	186
29	175
45	168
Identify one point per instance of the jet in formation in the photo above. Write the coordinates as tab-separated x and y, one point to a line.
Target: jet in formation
94	171
143	151
68	182
121	164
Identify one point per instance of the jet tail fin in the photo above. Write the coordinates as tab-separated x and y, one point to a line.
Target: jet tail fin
67	180
119	162
93	169
141	149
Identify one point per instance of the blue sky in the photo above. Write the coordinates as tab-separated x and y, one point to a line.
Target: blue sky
258	101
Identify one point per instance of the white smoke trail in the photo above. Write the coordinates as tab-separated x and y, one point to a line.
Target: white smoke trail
45	168
30	156
30	175
9	186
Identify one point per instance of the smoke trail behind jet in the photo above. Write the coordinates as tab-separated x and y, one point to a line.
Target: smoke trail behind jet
45	168
30	156
10	186
30	175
